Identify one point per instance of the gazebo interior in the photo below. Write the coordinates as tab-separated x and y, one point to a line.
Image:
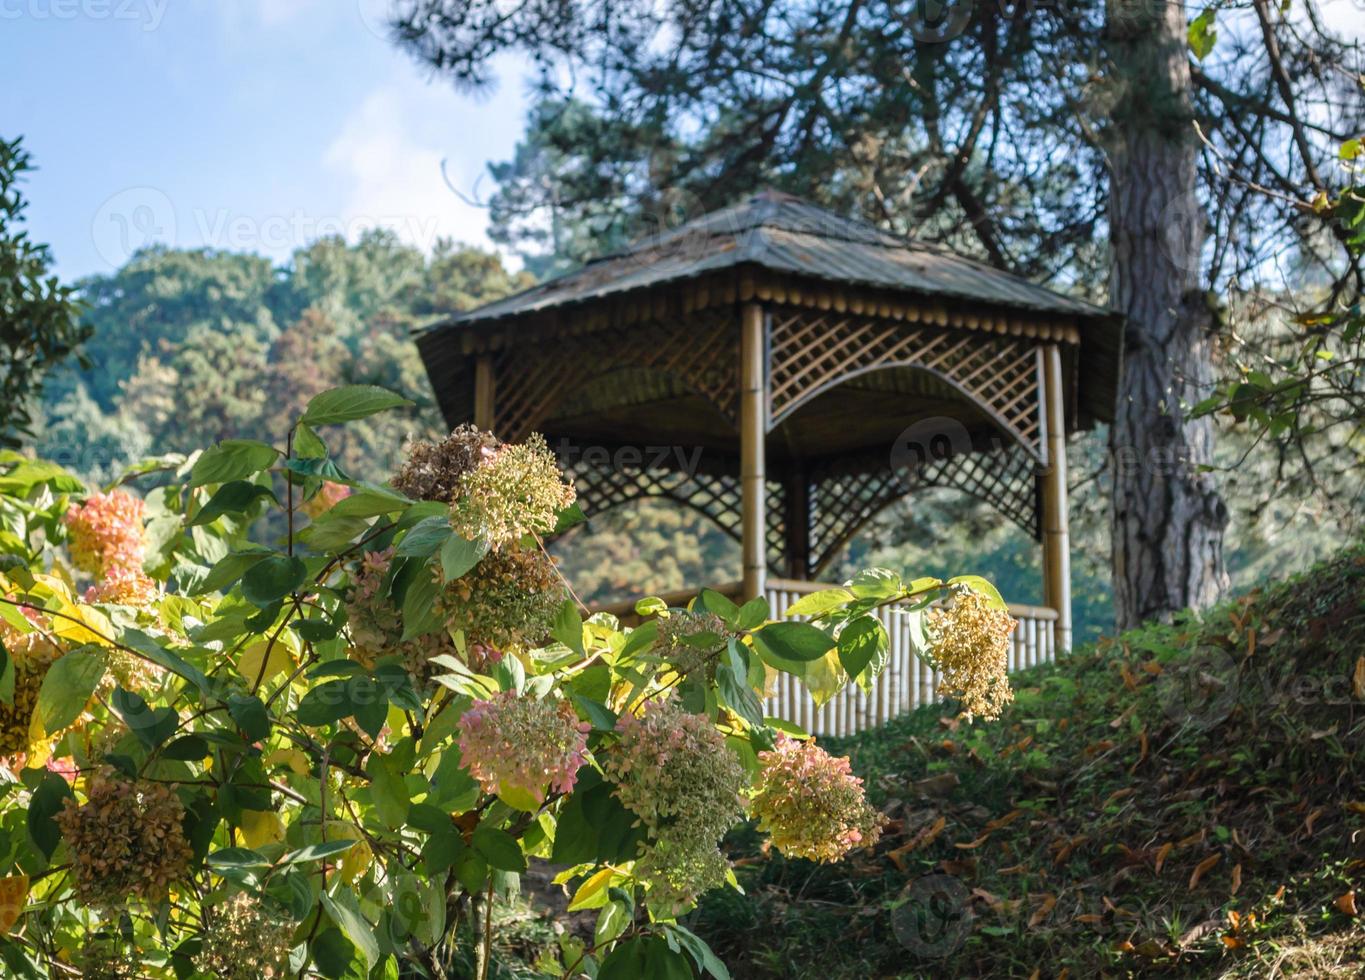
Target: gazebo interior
790	373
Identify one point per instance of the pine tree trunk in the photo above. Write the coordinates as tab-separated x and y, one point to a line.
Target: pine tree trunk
1168	517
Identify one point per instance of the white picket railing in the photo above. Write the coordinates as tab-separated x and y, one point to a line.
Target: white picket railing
904	684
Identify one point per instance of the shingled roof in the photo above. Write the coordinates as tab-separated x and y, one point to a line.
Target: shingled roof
785	234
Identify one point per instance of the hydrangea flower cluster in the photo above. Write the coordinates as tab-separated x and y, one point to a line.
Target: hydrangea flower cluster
514	491
374	622
437	470
31	654
811	803
126	585
328	496
246	941
682	626
969	639
674	771
106	532
524	743
126	840
507	601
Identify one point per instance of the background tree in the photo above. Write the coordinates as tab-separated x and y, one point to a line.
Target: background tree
39	317
1081	146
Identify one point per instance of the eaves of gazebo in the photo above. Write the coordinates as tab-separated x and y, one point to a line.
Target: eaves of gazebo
811	369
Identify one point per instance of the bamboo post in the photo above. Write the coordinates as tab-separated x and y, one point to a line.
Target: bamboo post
752	435
484	385
1056	521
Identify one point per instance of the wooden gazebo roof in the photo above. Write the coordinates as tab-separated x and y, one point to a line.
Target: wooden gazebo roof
822	357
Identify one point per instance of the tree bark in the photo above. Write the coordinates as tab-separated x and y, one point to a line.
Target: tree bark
1167	518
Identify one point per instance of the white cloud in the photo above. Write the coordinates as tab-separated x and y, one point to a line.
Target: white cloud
388	155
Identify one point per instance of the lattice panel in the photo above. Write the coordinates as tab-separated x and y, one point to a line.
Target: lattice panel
717	497
842	502
701	349
811	351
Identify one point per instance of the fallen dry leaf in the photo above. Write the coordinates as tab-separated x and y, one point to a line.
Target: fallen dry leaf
1041	913
1346	904
925	837
1358	679
1004	821
1202	867
1163	854
1236	880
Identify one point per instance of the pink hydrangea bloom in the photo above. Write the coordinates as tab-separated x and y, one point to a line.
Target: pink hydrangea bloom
523	743
124	585
106	532
811	803
328	496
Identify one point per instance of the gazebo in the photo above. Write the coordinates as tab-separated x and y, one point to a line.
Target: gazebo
789	373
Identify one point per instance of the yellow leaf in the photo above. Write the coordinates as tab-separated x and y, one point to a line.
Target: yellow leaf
291	757
281	660
261	827
355	862
13	895
592	894
824	677
518	798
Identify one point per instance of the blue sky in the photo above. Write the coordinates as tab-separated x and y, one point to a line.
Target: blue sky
241	124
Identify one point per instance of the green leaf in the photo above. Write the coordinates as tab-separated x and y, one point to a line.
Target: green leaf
567	518
706	960
863	644
799	642
229	570
568	627
753	613
329	702
251	716
876	583
388	791
978	584
345	912
426	536
419	605
459	555
333	954
499	848
307	445
318	852
137	640
348	403
713	601
626	962
273	578
602	718
231	498
650	606
1202	35
46	802
152	727
237	857
232	459
368	503
68	686
735	692
819	603
6	676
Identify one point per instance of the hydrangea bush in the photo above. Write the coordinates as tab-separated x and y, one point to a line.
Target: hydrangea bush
258	718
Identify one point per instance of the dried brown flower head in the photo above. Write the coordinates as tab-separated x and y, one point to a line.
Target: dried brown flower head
969	640
32	654
127	840
437	470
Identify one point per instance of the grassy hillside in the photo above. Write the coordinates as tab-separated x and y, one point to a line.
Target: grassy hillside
1184	800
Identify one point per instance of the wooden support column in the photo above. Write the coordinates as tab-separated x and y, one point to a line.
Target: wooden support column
1056	519
753	415
484	393
797	522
